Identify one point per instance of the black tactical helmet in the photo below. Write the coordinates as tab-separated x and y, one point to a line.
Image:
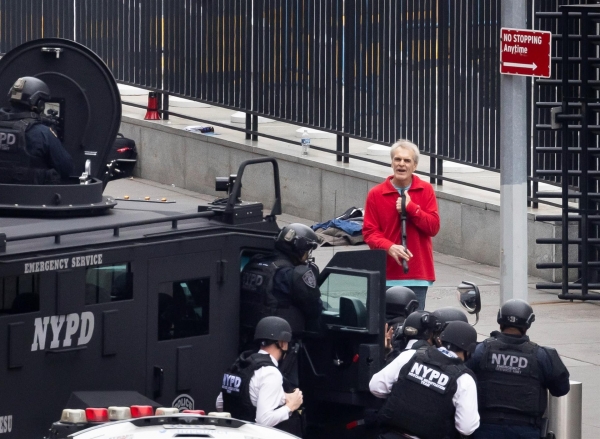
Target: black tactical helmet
297	239
400	301
516	313
448	314
419	325
459	334
31	92
273	328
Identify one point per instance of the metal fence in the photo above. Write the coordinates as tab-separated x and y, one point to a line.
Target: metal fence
374	70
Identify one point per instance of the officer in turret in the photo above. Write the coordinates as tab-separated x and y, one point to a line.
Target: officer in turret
430	393
283	283
513	376
30	151
252	388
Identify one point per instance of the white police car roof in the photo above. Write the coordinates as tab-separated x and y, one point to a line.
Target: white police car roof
152	427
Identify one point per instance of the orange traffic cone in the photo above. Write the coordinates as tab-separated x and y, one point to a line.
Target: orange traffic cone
152	110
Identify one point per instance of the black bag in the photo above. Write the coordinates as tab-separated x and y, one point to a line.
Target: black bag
124	153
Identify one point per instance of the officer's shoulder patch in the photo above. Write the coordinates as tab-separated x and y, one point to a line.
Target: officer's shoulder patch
309	279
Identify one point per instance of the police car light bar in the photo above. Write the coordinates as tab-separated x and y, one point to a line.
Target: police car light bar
96	414
195	412
73	416
140	411
220	414
119	413
167	411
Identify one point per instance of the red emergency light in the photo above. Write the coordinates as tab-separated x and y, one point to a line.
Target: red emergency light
139	411
194	412
96	414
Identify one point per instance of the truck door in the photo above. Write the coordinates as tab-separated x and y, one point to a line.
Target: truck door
67	330
183	331
337	364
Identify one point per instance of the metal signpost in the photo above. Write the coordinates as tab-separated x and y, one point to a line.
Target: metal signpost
522	53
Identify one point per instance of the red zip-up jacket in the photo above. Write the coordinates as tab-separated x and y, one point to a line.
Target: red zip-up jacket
381	227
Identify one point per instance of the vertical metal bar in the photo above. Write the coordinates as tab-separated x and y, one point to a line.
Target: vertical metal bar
256	45
442	87
421	63
286	61
585	157
257	88
564	27
346	149
349	68
339	69
384	108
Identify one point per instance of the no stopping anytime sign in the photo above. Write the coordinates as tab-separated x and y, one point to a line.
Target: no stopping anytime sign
525	52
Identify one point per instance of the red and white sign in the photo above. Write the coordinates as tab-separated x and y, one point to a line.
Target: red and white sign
525	52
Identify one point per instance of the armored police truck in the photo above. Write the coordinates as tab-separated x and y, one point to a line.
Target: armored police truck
103	298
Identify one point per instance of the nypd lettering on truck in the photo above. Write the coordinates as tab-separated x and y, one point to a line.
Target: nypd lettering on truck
47	331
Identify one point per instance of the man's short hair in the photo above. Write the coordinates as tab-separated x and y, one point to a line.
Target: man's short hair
406	144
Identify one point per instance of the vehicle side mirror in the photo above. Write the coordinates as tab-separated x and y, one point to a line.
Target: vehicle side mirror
470	298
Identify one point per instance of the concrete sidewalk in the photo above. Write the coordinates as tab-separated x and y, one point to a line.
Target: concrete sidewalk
570	327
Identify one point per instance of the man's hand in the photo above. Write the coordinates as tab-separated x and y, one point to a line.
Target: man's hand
294	400
399	252
389	332
399	202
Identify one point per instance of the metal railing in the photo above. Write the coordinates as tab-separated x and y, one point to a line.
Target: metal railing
374	70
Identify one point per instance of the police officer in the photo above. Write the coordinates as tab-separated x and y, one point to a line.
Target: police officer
283	283
444	316
399	303
416	332
513	374
430	393
252	388
30	152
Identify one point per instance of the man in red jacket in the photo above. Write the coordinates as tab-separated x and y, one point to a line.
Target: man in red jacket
382	224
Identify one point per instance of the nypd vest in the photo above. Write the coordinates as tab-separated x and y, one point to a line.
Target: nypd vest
236	385
257	299
509	379
420	403
16	164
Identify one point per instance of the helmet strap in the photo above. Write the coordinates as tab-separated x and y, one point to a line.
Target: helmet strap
283	352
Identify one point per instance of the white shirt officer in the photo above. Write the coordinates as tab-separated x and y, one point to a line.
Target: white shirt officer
267	395
466	419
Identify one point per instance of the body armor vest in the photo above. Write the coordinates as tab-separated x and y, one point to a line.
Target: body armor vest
420	403
257	298
509	380
236	385
16	164
236	391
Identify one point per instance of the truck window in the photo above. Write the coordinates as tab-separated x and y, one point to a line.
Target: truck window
108	283
345	299
183	308
20	294
338	285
